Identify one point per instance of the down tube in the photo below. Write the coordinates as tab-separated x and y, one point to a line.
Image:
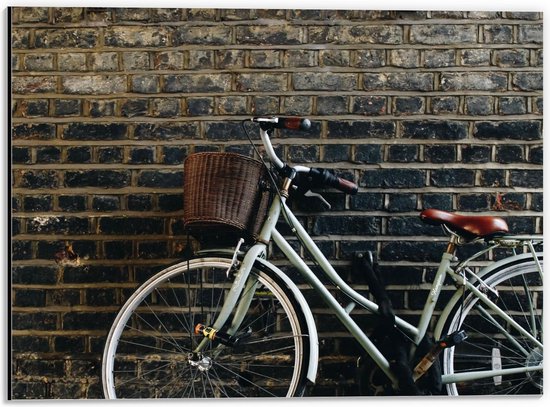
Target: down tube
340	312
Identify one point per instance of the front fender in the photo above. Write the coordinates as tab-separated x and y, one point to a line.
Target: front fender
310	321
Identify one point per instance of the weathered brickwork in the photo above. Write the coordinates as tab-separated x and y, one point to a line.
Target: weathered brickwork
422	109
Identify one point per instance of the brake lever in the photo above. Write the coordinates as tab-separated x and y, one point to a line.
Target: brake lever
310	194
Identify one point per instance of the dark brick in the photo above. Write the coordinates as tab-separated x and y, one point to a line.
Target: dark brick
35	108
476	154
527	81
98	178
445	104
191	83
408	105
512	57
79	154
402	202
437	201
369	105
537	202
346	225
131	226
118	249
39	321
403	153
66	38
269	34
232	105
536	155
509	202
407	81
136	36
473	202
102	108
152	250
202	35
160	179
135	107
100	297
493	178
224	131
327	105
526	178
368	153
72	203
406	226
58	224
109	155
440	153
434	129
373	58
95	274
67	107
435	34
32	367
29	343
87	131
38	203
323	81
140	202
303	154
507	154
479	105
452	178
38	179
30	298
498	34
142	155
168	131
412	251
40	131
28	390
34	274
105	203
512	105
200	106
170	202
393	178
337	152
88	320
361	129
73	344
172	155
474	81
21	155
48	155
515	130
145	84
367	201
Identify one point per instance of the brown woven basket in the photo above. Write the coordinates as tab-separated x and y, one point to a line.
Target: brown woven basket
222	193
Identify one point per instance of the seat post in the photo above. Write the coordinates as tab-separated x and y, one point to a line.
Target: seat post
451	246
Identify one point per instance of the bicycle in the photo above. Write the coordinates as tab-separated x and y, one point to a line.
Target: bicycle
229	323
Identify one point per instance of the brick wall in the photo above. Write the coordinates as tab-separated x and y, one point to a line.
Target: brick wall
422	109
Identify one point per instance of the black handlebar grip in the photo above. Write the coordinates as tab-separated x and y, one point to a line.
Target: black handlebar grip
321	177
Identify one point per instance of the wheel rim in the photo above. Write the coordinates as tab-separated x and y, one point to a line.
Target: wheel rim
489	347
143	360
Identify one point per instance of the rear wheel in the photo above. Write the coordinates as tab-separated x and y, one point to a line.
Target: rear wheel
492	344
151	350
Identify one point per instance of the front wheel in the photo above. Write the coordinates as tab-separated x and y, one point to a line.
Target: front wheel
493	344
152	348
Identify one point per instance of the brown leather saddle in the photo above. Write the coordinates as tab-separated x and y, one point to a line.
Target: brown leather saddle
470	227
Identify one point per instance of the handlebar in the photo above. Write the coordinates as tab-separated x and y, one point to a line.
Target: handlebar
318	177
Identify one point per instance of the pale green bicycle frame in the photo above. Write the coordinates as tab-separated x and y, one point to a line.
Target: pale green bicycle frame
416	333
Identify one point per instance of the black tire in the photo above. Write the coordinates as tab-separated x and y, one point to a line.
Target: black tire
150	349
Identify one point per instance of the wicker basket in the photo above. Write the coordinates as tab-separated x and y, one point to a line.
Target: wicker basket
222	194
